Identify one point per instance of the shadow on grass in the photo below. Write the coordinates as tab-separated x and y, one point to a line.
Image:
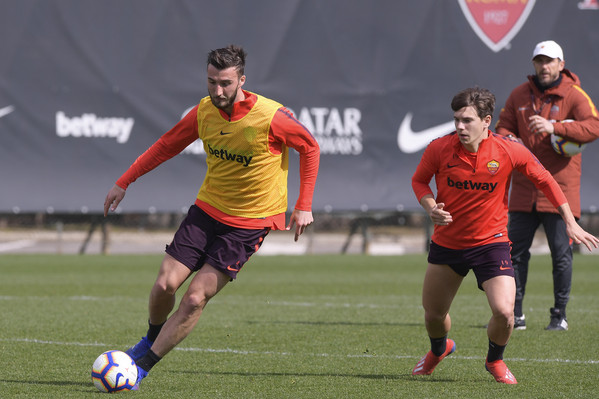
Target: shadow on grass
401	376
83	387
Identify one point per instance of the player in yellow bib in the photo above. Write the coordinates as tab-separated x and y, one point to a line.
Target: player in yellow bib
243	197
231	144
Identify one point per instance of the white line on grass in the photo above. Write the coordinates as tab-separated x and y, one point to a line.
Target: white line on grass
271	353
233	300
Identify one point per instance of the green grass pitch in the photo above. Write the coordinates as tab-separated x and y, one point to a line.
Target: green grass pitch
290	327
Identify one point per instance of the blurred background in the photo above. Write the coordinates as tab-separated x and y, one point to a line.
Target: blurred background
87	85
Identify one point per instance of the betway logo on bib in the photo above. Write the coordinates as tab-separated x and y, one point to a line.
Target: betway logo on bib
228	156
93	126
471	185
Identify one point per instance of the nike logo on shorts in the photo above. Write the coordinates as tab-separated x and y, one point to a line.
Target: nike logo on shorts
235	268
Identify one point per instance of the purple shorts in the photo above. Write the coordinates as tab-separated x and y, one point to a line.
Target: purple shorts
201	239
487	261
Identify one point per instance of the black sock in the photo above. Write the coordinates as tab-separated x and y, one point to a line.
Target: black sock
153	331
148	361
495	352
438	345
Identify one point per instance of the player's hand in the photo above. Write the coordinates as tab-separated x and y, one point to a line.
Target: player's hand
538	124
113	199
301	220
580	236
440	216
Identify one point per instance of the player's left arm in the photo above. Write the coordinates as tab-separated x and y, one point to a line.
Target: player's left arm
530	166
575	232
525	162
301	220
286	130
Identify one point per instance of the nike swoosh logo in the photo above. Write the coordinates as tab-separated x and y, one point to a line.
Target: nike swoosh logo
224	133
451	166
504	268
410	141
6	110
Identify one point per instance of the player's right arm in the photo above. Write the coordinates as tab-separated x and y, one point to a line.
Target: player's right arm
170	144
113	199
435	210
421	179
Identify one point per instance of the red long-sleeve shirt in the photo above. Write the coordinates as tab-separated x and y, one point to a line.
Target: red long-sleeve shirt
474	187
285	130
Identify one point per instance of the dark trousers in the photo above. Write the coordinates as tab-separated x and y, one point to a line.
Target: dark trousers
521	230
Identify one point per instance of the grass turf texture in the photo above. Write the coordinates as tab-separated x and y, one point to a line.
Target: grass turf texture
289	327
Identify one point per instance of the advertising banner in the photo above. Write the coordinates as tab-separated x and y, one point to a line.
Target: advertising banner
87	86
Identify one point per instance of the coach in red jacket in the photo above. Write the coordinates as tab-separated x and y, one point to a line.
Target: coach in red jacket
550	102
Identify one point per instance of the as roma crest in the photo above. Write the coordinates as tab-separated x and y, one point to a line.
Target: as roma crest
496	22
493	166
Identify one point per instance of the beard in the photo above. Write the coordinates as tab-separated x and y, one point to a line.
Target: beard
223	102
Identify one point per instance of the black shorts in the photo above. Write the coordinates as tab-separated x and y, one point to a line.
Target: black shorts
201	239
487	261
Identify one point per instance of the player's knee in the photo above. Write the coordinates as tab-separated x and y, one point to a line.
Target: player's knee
194	301
162	287
504	316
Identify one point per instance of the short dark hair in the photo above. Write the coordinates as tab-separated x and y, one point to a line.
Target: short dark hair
481	99
230	56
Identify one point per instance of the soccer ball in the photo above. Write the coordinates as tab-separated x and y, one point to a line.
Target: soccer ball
566	147
114	371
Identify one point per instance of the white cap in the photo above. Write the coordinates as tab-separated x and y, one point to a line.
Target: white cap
549	48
